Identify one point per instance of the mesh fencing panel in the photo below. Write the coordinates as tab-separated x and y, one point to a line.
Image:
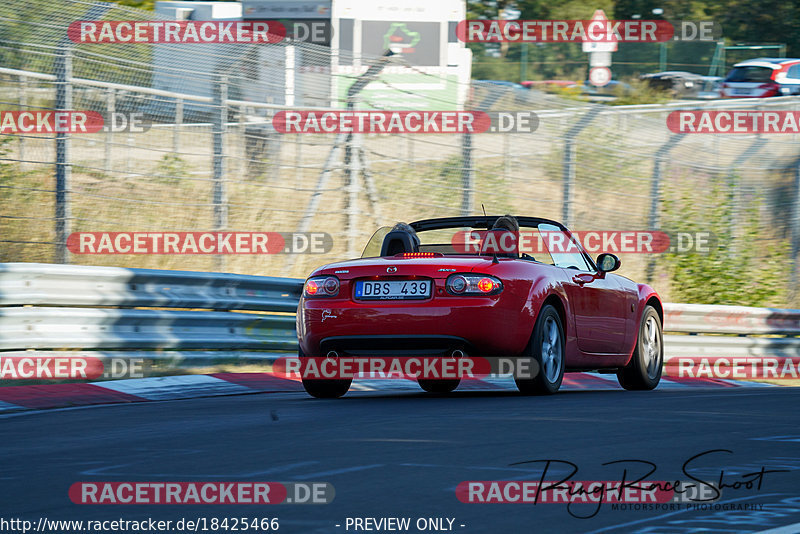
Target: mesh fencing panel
211	159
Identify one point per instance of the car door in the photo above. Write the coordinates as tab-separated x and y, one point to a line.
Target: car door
598	301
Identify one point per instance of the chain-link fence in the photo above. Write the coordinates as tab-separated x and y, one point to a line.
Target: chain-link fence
213	161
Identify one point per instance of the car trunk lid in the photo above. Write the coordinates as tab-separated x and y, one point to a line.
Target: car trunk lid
438	267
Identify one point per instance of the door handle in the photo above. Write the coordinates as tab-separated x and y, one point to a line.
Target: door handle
578	280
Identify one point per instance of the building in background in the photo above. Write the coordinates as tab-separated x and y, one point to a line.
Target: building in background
184	68
343	35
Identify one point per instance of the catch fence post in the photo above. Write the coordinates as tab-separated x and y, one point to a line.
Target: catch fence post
63	72
218	126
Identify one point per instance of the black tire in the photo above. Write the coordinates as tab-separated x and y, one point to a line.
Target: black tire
643	372
547	353
325	388
438	386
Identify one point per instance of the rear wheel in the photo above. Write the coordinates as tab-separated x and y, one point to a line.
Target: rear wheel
438	386
546	349
325	388
644	369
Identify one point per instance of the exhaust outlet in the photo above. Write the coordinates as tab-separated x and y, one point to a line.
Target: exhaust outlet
332	355
457	354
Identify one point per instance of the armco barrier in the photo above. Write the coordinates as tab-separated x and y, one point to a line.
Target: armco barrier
705	319
104	328
197	315
188	315
42	284
728	331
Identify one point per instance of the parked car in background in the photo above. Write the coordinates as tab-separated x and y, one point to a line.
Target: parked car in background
763	77
711	88
680	84
609	91
543	84
502	92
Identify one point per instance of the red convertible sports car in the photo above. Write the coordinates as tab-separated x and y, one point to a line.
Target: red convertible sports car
485	286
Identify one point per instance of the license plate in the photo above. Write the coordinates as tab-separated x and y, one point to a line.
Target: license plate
741	91
393	290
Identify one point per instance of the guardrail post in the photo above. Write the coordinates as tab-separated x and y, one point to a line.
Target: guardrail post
218	126
111	107
654	219
290	80
569	164
467	174
735	186
298	157
352	163
342	139
239	159
568	175
410	146
793	292
176	130
23	104
63	75
63	72
129	144
507	154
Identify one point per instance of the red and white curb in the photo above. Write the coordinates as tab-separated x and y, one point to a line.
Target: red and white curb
572	381
40	397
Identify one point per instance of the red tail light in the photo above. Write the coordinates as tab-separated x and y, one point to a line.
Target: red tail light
486	285
771	87
473	284
321	286
312	287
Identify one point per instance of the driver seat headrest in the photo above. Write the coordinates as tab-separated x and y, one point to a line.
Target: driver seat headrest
398	242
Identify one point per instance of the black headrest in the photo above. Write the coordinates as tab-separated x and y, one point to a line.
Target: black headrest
397	242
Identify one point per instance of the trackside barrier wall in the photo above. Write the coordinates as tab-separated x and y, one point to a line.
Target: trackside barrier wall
48	306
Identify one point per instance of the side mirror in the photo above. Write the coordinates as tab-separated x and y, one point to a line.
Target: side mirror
607	263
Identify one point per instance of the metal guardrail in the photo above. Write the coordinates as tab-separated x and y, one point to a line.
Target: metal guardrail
676	346
48	306
198	315
728	331
104	328
705	319
41	284
149	90
494	91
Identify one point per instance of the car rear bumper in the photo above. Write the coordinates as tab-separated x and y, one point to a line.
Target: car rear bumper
395	345
478	326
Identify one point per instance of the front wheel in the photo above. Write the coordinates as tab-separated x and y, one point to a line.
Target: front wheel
644	370
546	349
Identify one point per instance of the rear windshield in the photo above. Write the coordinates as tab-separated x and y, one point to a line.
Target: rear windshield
750	74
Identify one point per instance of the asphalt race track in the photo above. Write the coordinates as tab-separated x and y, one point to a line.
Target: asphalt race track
402	454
